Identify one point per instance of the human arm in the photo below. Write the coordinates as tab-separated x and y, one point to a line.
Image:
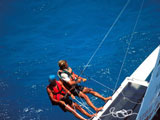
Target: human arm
74	82
51	95
67	91
78	77
67	79
52	98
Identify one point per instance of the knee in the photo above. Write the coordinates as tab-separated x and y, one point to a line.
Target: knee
89	90
84	96
76	106
92	92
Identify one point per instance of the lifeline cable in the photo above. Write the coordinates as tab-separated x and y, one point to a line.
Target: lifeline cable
124	59
131	101
84	106
72	110
82	103
78	95
111	112
100	83
106	35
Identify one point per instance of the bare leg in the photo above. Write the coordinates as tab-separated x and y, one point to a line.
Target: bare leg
88	90
108	98
81	94
74	112
82	110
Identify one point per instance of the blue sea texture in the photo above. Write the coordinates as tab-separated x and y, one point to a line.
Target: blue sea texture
36	34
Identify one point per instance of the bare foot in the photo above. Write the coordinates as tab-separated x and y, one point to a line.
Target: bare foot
107	98
94	114
99	109
91	116
84	119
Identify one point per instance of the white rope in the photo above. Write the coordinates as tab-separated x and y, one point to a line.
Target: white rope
73	110
124	59
82	102
79	96
123	112
106	35
84	106
120	114
100	84
126	98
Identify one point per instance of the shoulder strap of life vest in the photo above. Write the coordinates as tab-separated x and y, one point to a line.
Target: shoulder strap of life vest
64	71
58	87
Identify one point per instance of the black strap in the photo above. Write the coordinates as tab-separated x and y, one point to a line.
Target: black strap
64	71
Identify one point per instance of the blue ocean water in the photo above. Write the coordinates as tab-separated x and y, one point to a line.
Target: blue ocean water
36	34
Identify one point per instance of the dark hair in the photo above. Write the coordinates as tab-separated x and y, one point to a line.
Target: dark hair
53	82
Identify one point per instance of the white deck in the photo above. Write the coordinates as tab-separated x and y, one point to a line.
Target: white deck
146	67
139	76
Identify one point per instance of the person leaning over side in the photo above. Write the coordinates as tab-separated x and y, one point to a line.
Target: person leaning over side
71	80
59	95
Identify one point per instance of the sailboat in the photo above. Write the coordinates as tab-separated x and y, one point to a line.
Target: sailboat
136	98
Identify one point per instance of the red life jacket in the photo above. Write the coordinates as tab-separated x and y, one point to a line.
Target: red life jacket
57	91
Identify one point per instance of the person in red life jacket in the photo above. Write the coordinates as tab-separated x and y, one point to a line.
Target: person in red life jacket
70	80
59	95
